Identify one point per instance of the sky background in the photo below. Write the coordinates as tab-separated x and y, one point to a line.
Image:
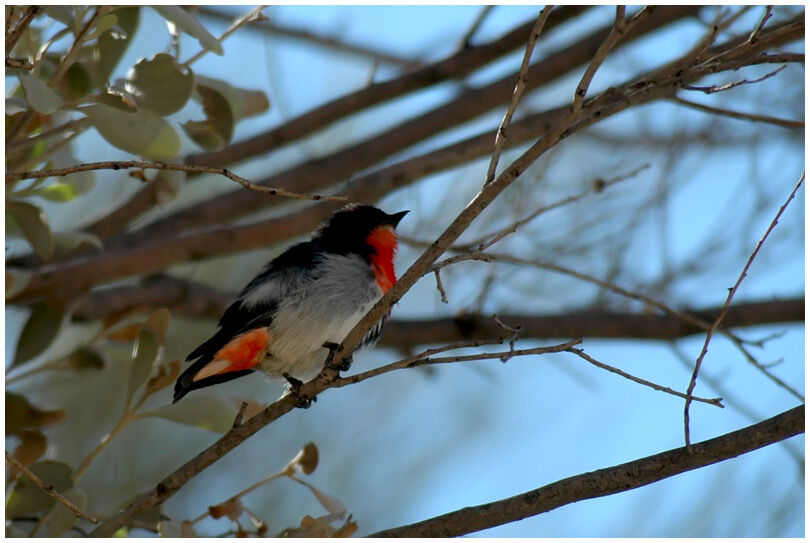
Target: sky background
415	444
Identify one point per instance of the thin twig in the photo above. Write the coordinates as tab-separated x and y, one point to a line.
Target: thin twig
475	26
253	16
76	125
500	136
718	402
14	36
726	305
715	88
417	361
784	123
620	28
19	64
755	34
68	59
598	186
49	489
142	165
440	287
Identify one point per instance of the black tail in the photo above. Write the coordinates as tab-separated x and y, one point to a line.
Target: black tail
186	383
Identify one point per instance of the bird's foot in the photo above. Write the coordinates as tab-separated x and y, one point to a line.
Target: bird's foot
302	401
335	348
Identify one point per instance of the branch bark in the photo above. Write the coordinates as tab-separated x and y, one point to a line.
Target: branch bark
314	175
607	481
68	278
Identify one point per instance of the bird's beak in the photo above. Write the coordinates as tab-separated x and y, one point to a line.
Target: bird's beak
394	219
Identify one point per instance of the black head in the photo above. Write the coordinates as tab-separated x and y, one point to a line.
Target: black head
347	229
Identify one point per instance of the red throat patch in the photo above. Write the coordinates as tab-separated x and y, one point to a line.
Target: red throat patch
384	241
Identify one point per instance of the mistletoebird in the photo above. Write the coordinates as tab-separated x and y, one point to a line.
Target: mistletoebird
302	304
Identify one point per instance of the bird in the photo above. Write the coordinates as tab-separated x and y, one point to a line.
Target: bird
289	320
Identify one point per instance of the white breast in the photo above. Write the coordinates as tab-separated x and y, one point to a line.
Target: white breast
323	307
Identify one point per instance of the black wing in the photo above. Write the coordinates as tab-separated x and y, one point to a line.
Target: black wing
240	318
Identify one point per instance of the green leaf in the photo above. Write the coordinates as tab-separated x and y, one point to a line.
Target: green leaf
217	129
60	192
31	221
159	84
16	280
158	323
169	528
21	414
145	354
212	413
84	358
188	24
42	98
15	104
28	499
71	240
76	83
105	23
112	45
39	331
142	133
244	102
60	13
61	519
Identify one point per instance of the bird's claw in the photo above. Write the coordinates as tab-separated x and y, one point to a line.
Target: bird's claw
302	401
335	348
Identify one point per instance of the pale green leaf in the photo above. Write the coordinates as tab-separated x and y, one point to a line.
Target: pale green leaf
112	45
105	23
244	102
217	129
42	98
144	355
60	192
208	412
61	518
142	133
169	528
20	414
159	84
39	331
72	240
188	24
15	104
31	221
158	323
28	499
63	14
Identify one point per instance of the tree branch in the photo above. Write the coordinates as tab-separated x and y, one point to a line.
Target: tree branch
784	123
49	489
331	169
607	481
141	165
732	291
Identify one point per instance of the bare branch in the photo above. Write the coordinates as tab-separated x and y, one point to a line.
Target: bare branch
141	165
620	28
728	86
500	137
19	64
784	123
49	489
718	402
466	40
426	359
607	481
755	34
727	304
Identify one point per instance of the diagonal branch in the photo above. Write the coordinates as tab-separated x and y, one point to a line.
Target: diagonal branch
784	123
607	481
727	304
49	489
